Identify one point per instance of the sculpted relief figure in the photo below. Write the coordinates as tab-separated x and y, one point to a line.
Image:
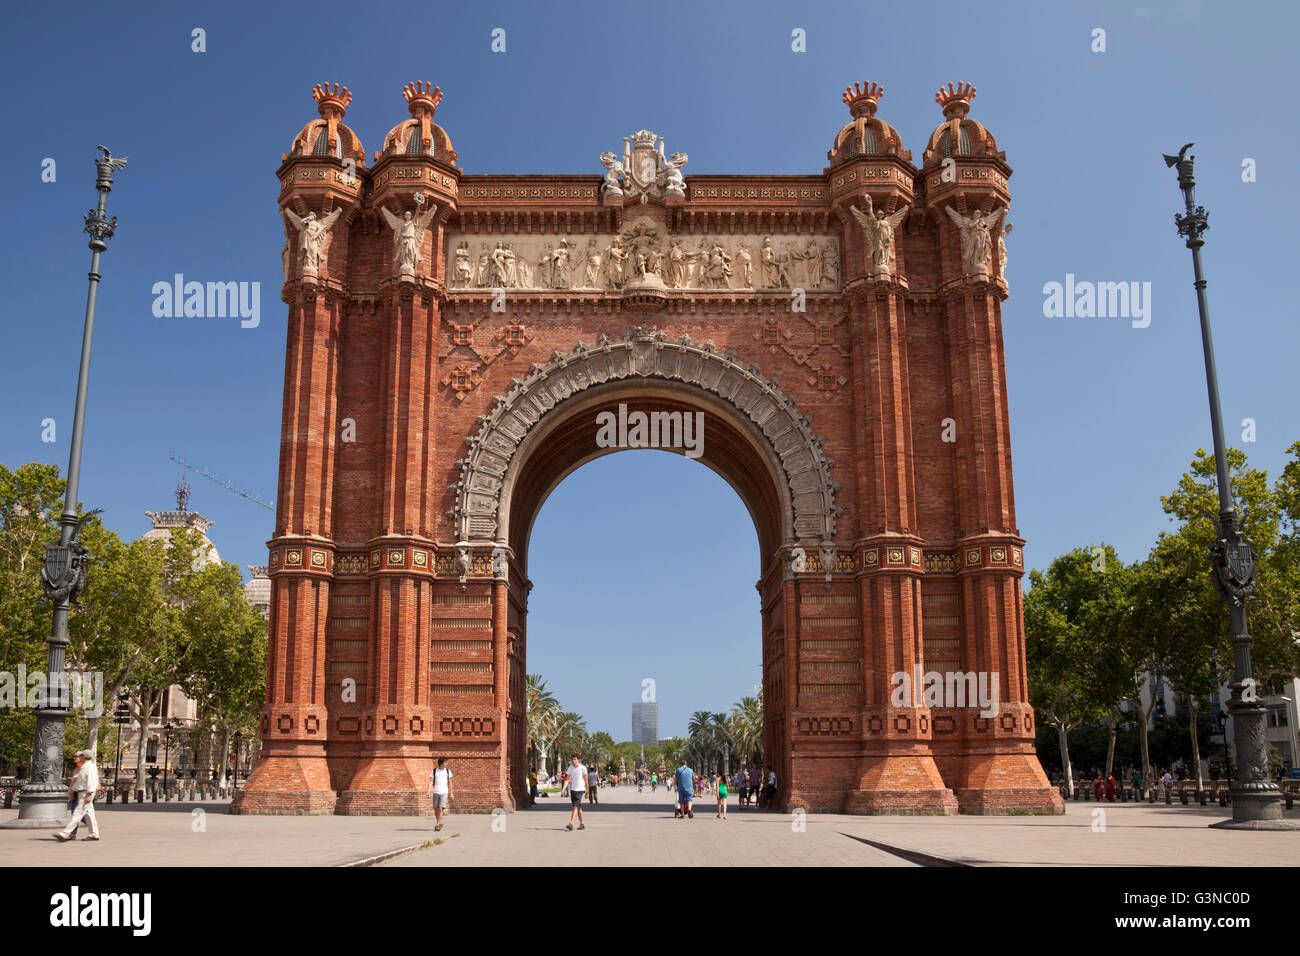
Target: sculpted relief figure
613	173
408	235
561	275
591	266
976	240
674	185
483	271
313	239
544	263
770	269
616	263
1002	248
879	231
676	277
746	266
462	275
831	264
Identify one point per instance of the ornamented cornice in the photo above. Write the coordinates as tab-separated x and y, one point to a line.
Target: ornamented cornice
645	353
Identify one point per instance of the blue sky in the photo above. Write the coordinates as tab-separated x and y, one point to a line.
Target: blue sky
1104	416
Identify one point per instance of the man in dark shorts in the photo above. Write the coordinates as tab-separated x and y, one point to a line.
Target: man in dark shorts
577	787
685	778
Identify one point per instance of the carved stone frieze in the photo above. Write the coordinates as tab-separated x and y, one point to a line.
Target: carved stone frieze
608	263
643	353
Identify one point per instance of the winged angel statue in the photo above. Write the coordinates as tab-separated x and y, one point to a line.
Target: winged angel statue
408	235
879	230
313	239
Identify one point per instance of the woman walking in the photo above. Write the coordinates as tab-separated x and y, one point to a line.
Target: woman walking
722	796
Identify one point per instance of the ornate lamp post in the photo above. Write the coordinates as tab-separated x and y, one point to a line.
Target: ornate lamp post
238	738
121	717
44	797
1256	800
167	752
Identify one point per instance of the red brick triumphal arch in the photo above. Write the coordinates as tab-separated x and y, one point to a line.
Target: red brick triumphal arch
453	339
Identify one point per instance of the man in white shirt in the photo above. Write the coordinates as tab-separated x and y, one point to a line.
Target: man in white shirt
440	787
82	789
577	787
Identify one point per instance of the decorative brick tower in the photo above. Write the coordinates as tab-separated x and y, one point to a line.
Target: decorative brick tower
452	341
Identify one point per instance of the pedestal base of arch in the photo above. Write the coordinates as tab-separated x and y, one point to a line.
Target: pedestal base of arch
389	785
904	784
294	784
995	783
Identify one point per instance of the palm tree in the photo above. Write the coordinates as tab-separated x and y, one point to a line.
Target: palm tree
540	707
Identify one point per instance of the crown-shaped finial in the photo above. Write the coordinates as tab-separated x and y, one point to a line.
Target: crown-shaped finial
955	100
328	99
421	99
862	98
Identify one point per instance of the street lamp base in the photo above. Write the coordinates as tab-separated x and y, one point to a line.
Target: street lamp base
41	806
1257	808
1257	825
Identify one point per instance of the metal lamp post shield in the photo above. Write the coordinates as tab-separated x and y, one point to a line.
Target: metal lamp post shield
1256	800
43	801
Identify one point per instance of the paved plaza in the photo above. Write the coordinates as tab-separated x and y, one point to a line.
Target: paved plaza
628	828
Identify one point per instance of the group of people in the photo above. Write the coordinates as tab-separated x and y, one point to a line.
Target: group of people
1104	790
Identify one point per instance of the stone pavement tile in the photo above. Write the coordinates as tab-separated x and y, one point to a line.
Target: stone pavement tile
164	835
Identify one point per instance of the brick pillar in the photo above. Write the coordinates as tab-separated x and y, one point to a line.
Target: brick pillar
397	722
989	761
897	772
292	775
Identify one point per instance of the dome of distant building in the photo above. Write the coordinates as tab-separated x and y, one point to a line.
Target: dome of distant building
257	590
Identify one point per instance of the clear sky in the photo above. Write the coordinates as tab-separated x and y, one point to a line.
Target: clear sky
1104	416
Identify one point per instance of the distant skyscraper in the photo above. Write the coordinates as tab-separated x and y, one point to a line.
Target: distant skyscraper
645	722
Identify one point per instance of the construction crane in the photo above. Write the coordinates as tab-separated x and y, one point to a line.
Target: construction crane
221	481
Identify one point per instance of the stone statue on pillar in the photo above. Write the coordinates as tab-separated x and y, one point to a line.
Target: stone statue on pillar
879	231
313	239
976	239
408	235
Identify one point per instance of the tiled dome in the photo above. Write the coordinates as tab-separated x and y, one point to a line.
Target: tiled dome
866	135
420	135
958	135
328	136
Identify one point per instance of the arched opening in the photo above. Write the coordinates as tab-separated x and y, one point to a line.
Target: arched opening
643	566
566	439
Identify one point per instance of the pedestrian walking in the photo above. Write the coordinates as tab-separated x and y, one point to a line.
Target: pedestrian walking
81	793
577	784
593	781
685	779
755	783
440	788
532	784
722	796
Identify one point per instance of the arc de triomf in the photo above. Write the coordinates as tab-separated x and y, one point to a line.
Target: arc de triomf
452	339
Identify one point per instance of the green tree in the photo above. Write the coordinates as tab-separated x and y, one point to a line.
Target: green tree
224	665
1065	641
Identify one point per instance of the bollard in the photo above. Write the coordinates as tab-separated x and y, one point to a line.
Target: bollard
9	799
1169	797
109	796
1182	796
139	796
153	794
1200	797
1151	795
1290	800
